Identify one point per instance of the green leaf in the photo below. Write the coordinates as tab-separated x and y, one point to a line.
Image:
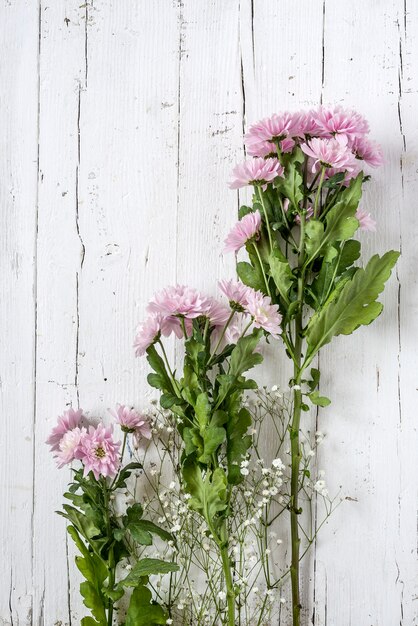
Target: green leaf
89	621
140	535
315	375
161	379
337	259
94	601
209	493
282	275
125	473
202	409
291	185
142	611
213	437
84	524
147	567
238	441
341	223
318	400
152	528
353	305
243	357
251	276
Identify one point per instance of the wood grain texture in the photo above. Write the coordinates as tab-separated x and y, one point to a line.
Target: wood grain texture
120	123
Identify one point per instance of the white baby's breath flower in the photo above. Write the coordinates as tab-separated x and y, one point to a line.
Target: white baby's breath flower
222	596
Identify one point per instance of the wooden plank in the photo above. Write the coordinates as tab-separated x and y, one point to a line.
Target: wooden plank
127	194
60	257
356	556
407	442
18	199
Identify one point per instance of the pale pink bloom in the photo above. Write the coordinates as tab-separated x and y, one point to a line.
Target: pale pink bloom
368	151
69	446
98	452
265	315
131	420
338	121
149	332
274	128
68	421
330	153
268	149
233	333
179	301
246	229
235	291
366	221
217	313
257	171
262	149
308	125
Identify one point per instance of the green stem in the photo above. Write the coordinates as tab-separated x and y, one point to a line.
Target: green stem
260	195
230	594
111	558
167	364
262	268
318	192
295	436
221	337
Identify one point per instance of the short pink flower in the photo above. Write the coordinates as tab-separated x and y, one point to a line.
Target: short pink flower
366	221
149	332
69	446
330	153
338	121
308	125
235	291
131	420
257	171
98	452
262	149
217	313
368	151
246	229
179	301
274	128
68	421
265	315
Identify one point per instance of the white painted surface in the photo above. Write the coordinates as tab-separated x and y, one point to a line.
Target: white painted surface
119	124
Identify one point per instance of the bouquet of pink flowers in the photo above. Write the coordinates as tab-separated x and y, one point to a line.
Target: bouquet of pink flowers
299	285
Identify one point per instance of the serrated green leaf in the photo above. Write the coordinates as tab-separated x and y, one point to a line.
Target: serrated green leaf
213	437
291	185
202	409
147	567
337	259
125	474
208	493
251	276
140	535
243	357
353	305
282	275
152	528
94	601
142	611
318	400
160	379
238	442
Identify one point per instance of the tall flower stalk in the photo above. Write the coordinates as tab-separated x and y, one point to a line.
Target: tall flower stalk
306	252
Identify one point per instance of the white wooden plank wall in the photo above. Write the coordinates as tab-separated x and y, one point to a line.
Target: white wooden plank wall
119	125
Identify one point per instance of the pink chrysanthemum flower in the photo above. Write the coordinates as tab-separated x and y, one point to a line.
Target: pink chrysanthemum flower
246	229
274	128
98	452
217	313
235	291
338	121
68	421
69	445
131	420
262	149
368	151
149	332
330	153
308	125
265	315
366	221
179	301
256	171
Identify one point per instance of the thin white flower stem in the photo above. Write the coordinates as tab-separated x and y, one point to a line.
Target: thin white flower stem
262	268
260	195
